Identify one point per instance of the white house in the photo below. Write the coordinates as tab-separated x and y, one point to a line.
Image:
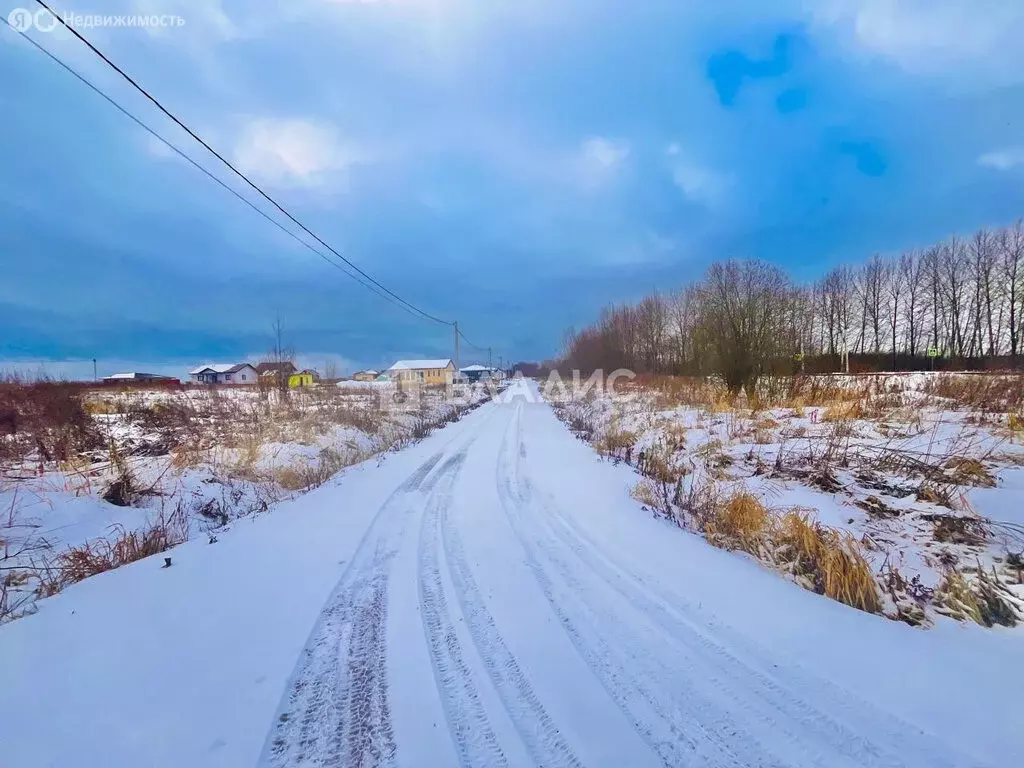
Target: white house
224	373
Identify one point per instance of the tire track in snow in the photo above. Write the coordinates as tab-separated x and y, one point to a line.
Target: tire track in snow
672	733
756	695
335	711
730	670
475	742
538	732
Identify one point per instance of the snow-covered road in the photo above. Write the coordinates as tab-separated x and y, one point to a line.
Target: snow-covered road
489	597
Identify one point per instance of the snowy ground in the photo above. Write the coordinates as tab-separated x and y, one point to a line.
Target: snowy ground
198	460
489	596
924	486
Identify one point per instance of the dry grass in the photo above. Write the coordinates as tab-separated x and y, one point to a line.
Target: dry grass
658	462
984	600
738	521
843	412
44	421
822	559
616	443
100	555
826	560
647	494
969	471
979	392
305	475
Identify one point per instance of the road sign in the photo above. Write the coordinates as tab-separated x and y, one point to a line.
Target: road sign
933	352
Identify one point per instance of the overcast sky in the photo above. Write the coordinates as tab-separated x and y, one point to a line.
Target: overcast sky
513	164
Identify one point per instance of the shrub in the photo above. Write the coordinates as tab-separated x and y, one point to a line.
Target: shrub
46	420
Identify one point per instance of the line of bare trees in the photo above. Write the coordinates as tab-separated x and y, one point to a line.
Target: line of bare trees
962	298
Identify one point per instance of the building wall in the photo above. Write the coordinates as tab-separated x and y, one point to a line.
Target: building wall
246	375
428	375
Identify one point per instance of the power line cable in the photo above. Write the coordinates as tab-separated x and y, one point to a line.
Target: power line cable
470	343
237	172
207	172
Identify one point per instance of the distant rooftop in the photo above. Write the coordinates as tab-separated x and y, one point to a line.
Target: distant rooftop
415	365
218	368
134	375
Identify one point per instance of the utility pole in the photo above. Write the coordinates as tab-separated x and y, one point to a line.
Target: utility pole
489	360
456	326
95	377
501	366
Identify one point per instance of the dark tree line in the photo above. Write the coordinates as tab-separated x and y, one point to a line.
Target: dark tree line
964	298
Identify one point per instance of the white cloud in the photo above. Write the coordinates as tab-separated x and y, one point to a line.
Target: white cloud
1003	159
295	152
600	160
699	183
956	37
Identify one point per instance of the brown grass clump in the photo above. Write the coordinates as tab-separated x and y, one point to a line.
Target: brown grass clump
675	435
617	443
820	558
740	521
968	471
658	463
956	599
843	412
986	600
305	475
829	561
646	493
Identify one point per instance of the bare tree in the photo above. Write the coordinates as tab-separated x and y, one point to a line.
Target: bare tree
955	268
965	297
895	283
1011	244
912	269
280	354
740	303
873	287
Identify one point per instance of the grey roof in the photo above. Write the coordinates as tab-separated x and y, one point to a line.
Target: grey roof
220	368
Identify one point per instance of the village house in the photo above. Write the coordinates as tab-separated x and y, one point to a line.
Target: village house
367	375
135	377
475	373
224	373
440	371
306	378
275	374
